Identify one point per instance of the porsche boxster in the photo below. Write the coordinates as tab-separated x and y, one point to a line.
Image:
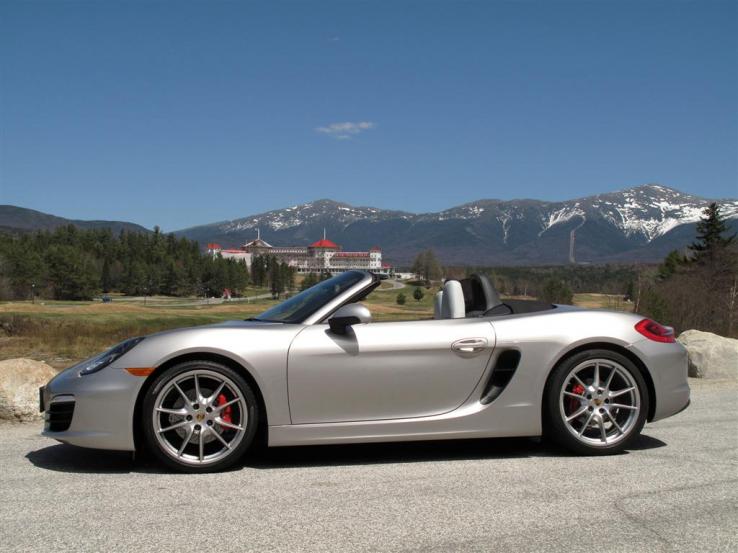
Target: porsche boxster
315	369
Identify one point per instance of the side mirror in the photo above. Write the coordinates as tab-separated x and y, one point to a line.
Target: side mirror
351	314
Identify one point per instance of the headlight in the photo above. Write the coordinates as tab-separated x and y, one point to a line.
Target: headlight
104	359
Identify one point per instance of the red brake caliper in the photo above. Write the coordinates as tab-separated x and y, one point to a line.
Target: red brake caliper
574	402
226	414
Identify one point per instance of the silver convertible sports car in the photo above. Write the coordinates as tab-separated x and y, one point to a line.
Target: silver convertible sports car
315	369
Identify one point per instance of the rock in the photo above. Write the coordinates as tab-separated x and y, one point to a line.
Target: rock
710	355
20	380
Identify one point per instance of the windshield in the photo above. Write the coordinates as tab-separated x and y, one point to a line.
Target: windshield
300	307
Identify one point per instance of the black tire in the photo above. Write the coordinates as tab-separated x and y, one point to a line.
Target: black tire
246	435
562	433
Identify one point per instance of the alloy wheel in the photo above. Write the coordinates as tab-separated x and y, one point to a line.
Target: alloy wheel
199	417
599	402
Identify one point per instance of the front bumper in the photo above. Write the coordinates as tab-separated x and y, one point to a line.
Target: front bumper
91	411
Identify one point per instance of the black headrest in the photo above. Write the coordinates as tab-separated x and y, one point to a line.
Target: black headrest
490	292
479	294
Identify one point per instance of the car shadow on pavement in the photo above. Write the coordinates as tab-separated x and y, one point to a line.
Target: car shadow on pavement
645	442
69	458
417	452
72	459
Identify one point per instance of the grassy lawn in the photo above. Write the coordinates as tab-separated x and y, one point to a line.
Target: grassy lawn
383	304
63	333
602	301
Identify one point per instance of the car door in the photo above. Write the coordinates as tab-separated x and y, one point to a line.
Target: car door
386	370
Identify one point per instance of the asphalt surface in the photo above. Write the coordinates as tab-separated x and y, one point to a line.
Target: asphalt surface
677	491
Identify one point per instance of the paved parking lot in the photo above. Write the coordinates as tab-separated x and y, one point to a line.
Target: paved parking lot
678	491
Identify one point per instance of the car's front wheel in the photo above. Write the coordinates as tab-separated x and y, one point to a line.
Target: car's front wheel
596	403
199	416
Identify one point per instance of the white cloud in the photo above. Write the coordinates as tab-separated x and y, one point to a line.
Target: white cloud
345	130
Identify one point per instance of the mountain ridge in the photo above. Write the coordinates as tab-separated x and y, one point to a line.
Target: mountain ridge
24	219
640	223
637	224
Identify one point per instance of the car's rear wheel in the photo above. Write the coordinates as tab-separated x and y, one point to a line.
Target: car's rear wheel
596	403
199	416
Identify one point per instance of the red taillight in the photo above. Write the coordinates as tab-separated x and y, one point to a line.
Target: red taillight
655	331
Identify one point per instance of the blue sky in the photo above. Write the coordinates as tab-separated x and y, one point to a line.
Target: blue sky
181	113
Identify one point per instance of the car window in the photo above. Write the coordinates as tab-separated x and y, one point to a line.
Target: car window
300	307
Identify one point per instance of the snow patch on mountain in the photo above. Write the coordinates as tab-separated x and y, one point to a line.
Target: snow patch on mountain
505	219
653	212
560	216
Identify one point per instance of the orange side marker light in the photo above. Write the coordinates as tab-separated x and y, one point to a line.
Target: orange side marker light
141	371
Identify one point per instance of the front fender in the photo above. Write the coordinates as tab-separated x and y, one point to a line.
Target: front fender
259	349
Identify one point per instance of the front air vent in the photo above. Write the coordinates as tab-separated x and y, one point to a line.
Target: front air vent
59	416
503	371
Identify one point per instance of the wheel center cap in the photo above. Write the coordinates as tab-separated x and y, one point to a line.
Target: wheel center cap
200	417
598	402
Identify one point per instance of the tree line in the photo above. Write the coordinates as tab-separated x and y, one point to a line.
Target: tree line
268	272
555	284
696	288
76	264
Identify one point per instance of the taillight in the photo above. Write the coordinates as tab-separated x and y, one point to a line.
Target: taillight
655	331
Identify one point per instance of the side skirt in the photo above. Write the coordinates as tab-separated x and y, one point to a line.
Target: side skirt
472	421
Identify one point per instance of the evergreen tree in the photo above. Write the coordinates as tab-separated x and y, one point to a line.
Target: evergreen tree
418	294
24	268
711	243
173	277
259	269
288	276
276	277
670	264
106	282
71	273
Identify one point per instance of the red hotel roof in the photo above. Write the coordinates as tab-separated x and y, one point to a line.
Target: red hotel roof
324	243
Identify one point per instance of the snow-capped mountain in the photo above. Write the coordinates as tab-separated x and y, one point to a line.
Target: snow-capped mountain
642	223
291	217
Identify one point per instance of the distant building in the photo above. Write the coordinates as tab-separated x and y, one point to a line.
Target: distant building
321	256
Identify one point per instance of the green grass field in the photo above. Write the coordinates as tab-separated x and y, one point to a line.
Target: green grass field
63	332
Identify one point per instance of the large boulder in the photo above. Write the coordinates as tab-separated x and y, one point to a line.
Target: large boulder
20	380
710	355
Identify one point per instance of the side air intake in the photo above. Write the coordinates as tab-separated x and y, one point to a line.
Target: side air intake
503	371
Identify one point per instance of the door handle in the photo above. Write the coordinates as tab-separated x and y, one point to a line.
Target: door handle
469	345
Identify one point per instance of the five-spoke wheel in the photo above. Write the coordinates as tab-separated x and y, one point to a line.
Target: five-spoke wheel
199	416
596	402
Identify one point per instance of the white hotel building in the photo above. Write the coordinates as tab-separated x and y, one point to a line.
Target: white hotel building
321	256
